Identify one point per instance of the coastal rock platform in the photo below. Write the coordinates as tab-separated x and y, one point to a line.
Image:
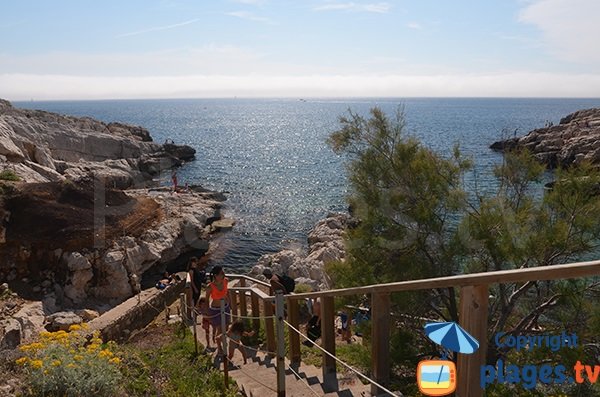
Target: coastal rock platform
574	140
325	245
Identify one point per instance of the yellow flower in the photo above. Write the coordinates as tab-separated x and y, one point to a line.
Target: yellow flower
37	364
85	326
74	327
71	365
93	347
56	363
105	353
115	360
78	357
32	346
22	361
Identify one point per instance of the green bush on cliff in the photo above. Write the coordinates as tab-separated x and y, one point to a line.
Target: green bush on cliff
9	175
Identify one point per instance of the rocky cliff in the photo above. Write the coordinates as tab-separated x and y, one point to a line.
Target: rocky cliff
80	225
575	139
325	245
40	146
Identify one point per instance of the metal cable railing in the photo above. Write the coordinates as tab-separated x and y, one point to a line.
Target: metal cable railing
249	317
357	372
281	353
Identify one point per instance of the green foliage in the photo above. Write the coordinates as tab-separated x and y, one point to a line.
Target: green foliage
356	355
404	195
302	288
415	220
175	369
9	175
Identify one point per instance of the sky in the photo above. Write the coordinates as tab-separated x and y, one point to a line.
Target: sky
118	49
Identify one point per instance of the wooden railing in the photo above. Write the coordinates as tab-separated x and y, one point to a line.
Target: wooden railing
473	314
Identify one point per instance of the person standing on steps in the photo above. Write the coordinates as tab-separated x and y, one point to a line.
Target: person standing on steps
215	291
313	327
197	272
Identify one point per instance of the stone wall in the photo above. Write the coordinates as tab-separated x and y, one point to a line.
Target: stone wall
136	312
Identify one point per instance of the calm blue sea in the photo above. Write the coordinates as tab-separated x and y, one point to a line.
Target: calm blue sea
271	155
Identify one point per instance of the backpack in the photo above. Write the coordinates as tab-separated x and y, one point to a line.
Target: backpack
288	282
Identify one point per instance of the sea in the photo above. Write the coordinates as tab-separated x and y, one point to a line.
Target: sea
271	158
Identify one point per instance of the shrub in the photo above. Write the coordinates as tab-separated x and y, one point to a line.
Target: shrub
9	175
66	364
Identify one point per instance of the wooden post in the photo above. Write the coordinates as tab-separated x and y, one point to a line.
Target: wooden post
184	307
224	345
280	345
195	332
380	340
189	299
328	334
269	327
243	307
294	317
473	318
233	303
255	312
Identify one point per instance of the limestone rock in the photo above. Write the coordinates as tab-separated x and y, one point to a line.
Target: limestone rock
11	334
326	244
87	314
81	274
223	224
574	140
62	321
56	142
31	319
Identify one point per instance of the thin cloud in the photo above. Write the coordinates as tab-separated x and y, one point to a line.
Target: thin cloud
41	87
414	25
249	16
158	28
569	28
380	8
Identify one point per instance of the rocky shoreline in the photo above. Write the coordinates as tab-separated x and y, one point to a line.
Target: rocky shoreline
82	226
574	140
325	245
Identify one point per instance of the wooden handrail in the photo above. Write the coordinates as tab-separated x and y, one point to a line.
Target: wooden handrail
473	312
552	272
248	278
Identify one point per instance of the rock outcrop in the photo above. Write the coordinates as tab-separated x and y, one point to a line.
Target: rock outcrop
574	140
74	232
40	146
78	250
325	245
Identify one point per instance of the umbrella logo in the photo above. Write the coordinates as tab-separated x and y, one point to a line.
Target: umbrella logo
438	377
451	336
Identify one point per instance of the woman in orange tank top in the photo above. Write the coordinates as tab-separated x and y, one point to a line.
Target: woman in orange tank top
217	290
